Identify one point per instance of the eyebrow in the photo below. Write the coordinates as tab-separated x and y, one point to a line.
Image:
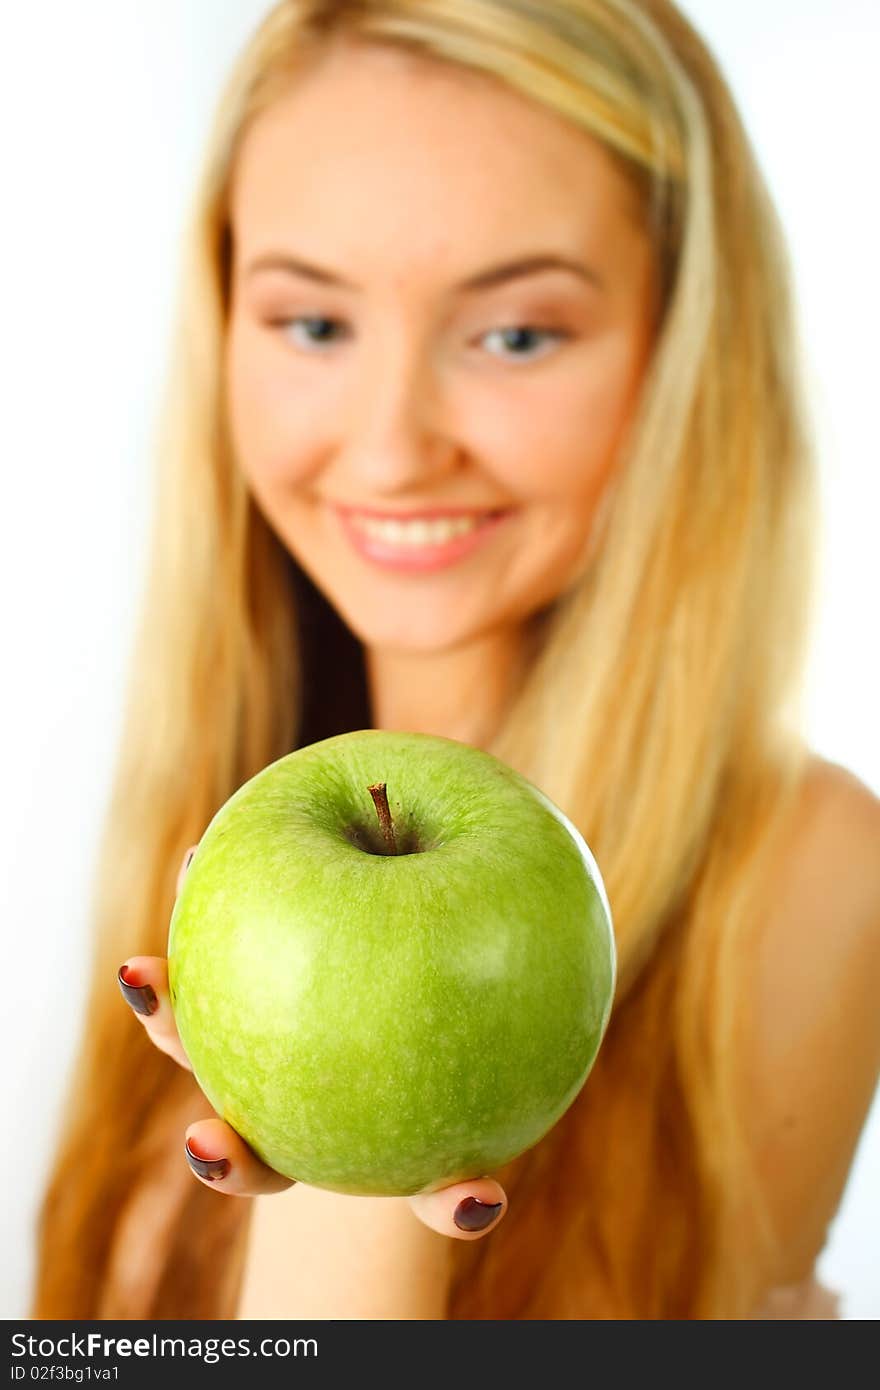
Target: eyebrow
483	280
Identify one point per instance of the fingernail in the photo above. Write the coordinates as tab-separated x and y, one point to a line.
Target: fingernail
188	858
473	1215
142	998
210	1168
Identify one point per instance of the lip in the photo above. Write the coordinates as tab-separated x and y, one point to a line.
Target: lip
423	514
422	558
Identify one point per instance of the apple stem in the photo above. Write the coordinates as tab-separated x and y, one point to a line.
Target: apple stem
380	800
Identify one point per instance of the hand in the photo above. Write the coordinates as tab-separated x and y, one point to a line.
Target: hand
221	1159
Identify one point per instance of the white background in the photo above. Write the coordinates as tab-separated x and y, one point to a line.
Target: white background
105	104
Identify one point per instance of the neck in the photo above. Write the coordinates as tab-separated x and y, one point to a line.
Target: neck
459	692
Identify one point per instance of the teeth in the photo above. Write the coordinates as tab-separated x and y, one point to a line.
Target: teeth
416	533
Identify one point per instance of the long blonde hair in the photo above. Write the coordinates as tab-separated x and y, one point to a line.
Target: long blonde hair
661	710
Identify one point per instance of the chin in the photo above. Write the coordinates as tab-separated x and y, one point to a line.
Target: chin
400	613
407	633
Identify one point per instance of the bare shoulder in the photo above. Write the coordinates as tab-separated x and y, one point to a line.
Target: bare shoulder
811	1052
834	845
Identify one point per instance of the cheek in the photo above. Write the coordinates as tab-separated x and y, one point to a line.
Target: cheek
273	442
565	443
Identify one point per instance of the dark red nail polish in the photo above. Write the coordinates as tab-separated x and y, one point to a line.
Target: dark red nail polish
142	998
210	1168
473	1215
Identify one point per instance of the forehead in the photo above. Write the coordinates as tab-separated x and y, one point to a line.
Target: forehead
375	145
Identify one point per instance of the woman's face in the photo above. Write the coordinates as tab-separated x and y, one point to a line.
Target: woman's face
398	343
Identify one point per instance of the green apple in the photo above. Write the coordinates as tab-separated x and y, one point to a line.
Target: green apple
391	963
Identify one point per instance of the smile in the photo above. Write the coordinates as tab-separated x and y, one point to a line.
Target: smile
420	543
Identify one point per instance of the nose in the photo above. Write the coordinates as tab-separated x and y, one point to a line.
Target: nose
399	437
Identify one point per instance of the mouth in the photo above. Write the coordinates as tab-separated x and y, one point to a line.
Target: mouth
425	540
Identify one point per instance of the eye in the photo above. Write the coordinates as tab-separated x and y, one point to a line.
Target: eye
523	334
315	328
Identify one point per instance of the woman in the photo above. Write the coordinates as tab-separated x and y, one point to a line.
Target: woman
629	633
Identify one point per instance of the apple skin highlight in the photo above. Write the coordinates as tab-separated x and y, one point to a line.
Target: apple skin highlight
386	1024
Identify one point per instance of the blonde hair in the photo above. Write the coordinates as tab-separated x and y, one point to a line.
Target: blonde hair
660	712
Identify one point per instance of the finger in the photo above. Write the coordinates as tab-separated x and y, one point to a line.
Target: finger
465	1211
143	981
220	1158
